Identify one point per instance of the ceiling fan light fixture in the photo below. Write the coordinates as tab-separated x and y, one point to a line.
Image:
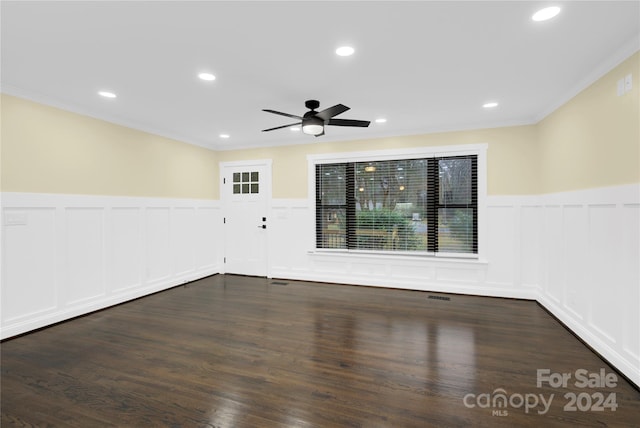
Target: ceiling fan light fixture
313	129
313	126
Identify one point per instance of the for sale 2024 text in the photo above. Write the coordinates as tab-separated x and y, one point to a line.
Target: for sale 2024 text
583	401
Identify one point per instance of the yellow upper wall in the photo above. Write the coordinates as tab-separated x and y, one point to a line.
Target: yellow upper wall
511	155
594	139
48	150
591	141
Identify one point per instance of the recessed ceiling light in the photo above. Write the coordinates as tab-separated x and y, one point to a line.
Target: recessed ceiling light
207	76
107	94
224	135
381	120
546	13
490	105
345	51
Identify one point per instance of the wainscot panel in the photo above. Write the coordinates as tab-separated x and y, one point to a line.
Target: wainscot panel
67	255
126	249
33	291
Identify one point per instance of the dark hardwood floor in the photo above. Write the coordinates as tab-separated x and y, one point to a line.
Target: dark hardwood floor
233	351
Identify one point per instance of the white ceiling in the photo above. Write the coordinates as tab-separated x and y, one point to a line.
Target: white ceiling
425	66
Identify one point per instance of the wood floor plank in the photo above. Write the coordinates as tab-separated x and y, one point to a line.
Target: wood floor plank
233	351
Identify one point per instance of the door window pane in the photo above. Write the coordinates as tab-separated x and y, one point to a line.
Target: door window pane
246	182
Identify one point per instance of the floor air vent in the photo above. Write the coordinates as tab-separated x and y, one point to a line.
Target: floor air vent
439	297
278	283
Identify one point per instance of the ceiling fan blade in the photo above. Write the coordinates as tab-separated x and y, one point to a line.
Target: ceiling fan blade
282	114
327	114
283	126
349	122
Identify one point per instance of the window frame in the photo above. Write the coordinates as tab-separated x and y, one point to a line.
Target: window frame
478	150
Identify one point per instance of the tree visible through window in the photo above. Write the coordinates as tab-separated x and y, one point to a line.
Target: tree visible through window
408	205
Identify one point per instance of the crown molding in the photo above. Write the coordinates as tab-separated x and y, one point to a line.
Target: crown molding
87	112
624	52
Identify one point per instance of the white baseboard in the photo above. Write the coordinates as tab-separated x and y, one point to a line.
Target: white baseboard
34	322
628	366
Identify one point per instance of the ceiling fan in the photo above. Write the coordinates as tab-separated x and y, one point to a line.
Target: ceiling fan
313	122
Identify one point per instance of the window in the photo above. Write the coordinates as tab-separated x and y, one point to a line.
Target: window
421	205
246	182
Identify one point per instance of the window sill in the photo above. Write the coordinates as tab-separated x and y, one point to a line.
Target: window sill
387	255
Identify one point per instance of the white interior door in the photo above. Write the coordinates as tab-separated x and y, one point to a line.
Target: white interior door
246	191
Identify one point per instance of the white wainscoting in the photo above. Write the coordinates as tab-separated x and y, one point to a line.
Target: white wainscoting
577	253
495	274
589	269
67	255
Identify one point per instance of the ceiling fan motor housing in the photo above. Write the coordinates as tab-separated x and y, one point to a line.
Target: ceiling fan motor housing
312	120
312	104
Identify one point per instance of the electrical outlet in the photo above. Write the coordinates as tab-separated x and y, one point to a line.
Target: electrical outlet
18	218
628	83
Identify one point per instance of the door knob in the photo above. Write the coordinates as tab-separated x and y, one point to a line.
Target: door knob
264	226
